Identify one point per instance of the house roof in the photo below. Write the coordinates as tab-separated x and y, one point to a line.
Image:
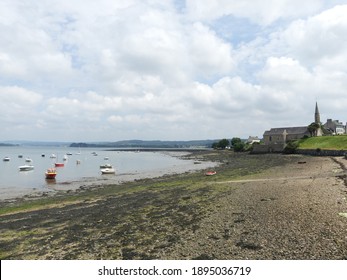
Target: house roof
289	130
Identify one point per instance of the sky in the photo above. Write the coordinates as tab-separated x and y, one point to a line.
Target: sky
109	70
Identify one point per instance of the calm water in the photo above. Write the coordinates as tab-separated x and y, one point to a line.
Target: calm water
132	164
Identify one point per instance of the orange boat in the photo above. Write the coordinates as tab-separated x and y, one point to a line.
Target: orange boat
59	164
51	173
210	173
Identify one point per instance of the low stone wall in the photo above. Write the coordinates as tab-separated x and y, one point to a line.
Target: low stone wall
278	148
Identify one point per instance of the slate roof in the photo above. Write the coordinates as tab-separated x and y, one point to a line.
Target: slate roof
290	130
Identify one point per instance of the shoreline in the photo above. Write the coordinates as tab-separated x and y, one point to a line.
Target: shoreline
255	207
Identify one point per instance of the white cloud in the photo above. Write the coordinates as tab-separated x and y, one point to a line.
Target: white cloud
18	107
157	70
258	11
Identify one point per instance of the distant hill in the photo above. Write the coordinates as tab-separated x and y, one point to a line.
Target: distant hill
7	145
149	144
338	142
35	143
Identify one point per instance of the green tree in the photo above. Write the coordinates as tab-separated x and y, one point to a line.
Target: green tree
215	145
223	143
313	128
239	147
237	144
235	141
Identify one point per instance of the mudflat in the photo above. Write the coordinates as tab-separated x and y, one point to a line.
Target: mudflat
256	207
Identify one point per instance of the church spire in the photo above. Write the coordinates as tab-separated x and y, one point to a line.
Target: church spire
316	115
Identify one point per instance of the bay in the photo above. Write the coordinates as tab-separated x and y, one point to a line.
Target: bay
129	165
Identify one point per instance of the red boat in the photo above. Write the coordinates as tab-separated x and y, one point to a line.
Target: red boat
59	164
51	173
210	173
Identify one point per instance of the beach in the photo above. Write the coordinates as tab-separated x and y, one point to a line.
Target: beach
269	206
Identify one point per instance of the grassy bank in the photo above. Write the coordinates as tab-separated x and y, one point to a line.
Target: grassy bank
338	142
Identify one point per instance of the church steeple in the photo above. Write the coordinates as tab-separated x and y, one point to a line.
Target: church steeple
316	115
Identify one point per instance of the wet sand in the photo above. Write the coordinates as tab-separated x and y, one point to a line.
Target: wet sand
255	207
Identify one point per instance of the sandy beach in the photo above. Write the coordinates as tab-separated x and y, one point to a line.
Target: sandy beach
256	207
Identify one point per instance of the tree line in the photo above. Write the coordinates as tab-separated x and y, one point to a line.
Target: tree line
235	143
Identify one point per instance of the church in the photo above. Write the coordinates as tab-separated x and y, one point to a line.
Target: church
275	139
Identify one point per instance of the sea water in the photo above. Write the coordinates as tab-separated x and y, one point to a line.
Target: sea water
129	165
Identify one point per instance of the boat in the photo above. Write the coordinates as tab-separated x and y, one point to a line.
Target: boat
6	159
106	158
59	164
20	156
210	173
106	165
53	156
26	167
108	171
78	161
69	154
51	173
65	157
28	160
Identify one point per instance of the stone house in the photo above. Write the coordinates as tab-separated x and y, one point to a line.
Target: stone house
335	127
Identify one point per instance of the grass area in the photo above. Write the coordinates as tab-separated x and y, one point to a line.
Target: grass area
338	142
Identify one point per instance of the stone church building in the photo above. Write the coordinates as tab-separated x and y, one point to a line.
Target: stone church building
275	139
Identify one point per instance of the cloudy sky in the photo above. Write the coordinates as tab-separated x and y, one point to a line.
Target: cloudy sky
107	70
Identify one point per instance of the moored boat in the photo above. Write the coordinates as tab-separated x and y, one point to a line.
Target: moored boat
26	167
106	165
108	171
51	173
6	159
59	164
210	173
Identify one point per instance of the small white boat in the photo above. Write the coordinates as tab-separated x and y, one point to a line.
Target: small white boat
69	154
65	157
53	156
105	158
108	171
6	159
28	160
107	165
26	167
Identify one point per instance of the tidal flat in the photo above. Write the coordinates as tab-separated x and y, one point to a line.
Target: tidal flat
269	206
